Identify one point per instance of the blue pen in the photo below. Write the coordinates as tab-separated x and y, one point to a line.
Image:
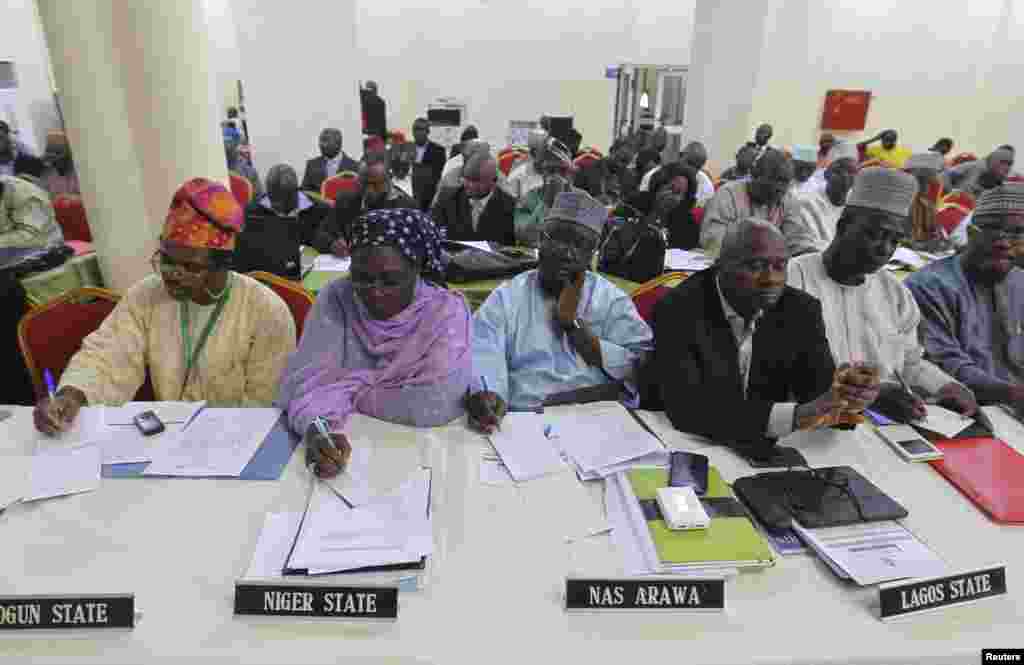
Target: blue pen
483	382
51	387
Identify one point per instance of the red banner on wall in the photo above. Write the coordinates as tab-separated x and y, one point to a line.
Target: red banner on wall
845	110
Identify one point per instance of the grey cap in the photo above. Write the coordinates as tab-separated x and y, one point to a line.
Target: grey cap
580	208
888	190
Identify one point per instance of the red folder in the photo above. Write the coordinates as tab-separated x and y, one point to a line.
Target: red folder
989	472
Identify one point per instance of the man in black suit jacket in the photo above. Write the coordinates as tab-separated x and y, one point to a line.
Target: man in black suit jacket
426	170
375	111
478	210
331	162
739	356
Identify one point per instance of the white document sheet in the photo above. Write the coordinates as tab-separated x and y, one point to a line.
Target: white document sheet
599	435
943	421
524	448
873	552
907	257
331	263
494	472
61	470
393	528
565	501
681	259
478	244
167	412
272	548
219	442
127	445
14	478
630	534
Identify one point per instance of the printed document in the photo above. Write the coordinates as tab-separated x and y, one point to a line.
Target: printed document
525	447
219	442
59	470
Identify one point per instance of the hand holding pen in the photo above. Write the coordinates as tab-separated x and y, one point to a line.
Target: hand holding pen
327	453
485	409
56	412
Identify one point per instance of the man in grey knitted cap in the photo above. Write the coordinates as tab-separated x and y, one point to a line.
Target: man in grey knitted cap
870	316
559	333
972	304
977	177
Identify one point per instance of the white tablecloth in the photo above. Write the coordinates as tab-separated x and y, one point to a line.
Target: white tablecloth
495	593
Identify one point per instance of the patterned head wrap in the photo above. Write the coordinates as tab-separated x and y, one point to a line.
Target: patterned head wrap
204	215
410	231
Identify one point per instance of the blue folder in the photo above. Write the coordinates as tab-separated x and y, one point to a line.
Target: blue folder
267	464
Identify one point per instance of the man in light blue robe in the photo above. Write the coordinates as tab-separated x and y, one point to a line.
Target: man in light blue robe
972	304
559	333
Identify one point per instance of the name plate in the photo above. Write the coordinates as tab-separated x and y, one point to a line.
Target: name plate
693	595
342	602
101	611
911	597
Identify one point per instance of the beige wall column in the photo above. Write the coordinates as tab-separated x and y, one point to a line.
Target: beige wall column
141	113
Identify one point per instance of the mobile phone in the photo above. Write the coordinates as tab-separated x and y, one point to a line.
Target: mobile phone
910	445
688	470
148	423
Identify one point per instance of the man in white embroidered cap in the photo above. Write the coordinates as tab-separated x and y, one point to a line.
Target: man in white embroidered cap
870	316
558	334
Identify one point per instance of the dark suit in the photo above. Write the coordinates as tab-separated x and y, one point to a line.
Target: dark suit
452	212
696	367
252	252
28	165
347	208
426	174
375	113
316	171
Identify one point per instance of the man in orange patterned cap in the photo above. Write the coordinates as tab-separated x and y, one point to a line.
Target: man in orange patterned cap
200	330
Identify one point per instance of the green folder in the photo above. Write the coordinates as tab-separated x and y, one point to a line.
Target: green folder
732	540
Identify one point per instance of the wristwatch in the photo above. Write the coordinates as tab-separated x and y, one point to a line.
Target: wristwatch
575	325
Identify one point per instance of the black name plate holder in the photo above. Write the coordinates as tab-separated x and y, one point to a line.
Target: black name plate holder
67	611
667	594
909	597
317	601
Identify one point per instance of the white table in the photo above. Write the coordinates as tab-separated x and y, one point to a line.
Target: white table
495	594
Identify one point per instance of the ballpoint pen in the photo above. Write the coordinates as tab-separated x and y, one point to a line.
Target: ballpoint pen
483	382
51	387
903	383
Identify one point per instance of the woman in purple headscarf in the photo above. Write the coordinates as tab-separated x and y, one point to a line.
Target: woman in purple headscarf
388	342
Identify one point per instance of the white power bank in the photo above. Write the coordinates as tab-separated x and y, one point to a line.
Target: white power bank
681	508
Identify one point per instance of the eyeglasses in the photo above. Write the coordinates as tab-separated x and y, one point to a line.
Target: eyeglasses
164	265
385	281
998	231
565	248
764	266
807	490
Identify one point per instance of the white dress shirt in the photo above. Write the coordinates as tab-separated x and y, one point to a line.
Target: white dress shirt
780	421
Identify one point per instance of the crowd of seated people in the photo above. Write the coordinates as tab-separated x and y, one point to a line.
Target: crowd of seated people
799	291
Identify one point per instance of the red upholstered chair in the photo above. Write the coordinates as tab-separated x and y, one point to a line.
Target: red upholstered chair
1015	178
698	215
507	159
299	300
585	159
241	188
49	335
647	295
952	209
70	213
346	181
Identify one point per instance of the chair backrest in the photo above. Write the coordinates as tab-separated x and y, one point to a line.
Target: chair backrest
298	299
506	160
241	188
346	181
70	214
49	335
647	295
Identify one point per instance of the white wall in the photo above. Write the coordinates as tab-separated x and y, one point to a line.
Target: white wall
515	60
21	41
944	69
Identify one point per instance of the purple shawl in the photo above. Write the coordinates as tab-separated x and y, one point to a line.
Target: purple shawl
424	344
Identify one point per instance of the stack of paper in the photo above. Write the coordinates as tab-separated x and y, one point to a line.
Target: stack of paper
331	263
680	259
943	421
393	529
602	438
872	552
218	443
525	446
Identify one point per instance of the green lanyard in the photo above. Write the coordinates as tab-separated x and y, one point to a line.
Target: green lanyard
186	334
